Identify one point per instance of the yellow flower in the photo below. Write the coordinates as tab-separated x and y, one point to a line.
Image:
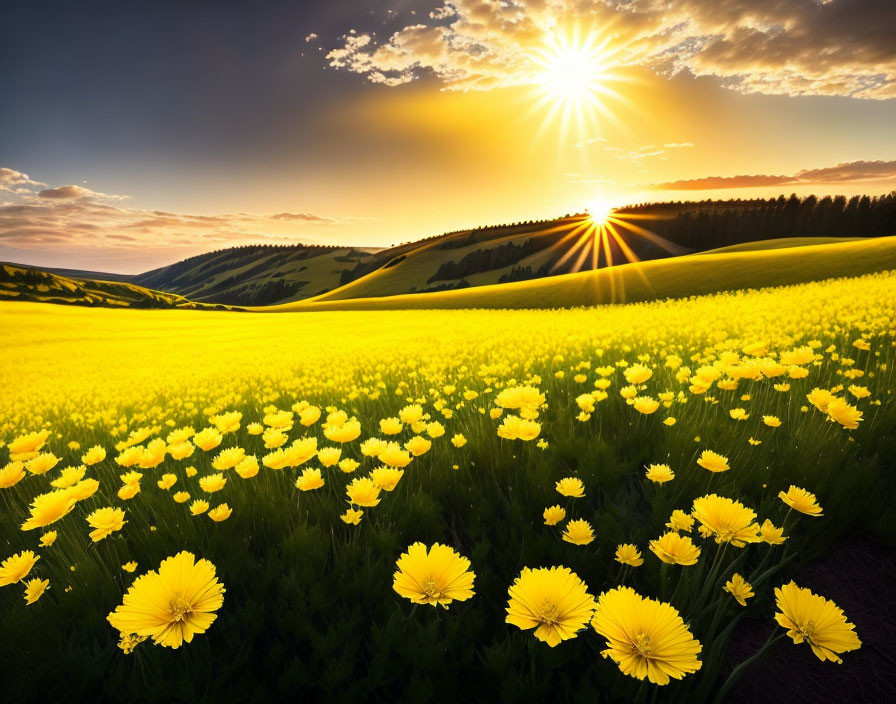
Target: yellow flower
739	588
859	392
49	508
680	521
417	445
48	538
738	414
628	554
84	489
247	467
659	473
182	497
516	428
227	422
815	620
345	432
42	463
411	414
207	439
329	456
637	374
391	426
570	486
104	522
16	568
25	447
675	549
352	516
255	429
129	491
171	605
198	507
820	398
458	440
212	483
229	458
309	415
393	456
645	638
167	481
553	515
553	601
578	532
436	576
363	492
772	421
348	465
94	455
801	500
770	534
220	513
129	566
386	478
728	521
839	410
191	471
34	589
713	461
12	474
645	404
69	476
309	480
181	450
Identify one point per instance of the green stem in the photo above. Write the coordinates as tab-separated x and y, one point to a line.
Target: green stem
740	669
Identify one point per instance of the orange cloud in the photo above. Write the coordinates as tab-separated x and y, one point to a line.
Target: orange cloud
854	171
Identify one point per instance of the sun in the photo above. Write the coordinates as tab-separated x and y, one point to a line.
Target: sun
599	212
572	69
572	72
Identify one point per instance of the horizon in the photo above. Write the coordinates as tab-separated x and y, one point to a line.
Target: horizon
132	144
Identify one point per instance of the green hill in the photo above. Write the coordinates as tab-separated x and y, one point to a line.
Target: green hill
257	275
18	283
668	278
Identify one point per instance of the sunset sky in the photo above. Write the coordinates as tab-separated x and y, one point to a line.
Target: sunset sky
135	134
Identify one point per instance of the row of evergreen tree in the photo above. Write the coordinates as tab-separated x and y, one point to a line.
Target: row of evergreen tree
708	224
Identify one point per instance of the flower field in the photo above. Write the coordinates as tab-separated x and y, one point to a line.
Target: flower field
483	505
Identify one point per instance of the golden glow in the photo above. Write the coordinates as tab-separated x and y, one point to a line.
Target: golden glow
599	212
573	70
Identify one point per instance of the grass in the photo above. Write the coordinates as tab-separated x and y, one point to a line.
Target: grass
658	279
309	610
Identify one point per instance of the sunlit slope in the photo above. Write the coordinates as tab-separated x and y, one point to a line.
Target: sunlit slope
487	256
779	243
25	284
668	278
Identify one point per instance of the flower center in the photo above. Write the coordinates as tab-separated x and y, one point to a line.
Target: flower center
808	630
642	645
429	588
550	614
179	607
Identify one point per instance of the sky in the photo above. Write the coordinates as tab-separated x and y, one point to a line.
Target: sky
133	135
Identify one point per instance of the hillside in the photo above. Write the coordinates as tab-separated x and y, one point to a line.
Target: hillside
257	275
659	279
18	283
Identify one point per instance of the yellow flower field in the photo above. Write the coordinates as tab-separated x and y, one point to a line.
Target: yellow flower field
507	500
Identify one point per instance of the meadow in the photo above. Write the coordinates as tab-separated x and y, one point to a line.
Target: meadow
660	447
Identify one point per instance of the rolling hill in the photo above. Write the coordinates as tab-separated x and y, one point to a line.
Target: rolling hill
18	283
676	277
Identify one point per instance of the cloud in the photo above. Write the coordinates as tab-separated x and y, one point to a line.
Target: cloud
12	181
77	219
791	47
847	172
69	192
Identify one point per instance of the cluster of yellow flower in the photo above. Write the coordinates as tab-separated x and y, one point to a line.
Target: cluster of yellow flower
347	422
